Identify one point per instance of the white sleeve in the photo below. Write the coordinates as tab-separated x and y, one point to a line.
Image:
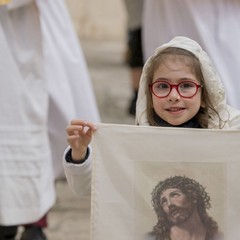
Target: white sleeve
79	175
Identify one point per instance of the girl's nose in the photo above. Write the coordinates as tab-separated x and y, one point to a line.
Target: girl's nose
173	95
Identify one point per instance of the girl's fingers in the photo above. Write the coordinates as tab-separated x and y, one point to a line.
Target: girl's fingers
74	129
83	123
79	133
80	128
72	138
76	132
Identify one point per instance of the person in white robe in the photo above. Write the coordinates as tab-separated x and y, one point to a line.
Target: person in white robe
44	84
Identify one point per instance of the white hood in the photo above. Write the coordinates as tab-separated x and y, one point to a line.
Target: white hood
213	84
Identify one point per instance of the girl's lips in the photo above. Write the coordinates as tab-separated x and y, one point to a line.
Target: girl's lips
175	109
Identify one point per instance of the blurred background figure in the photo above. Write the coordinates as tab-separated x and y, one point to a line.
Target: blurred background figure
134	47
44	84
212	23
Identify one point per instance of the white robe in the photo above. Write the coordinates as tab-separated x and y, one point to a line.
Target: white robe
212	23
44	84
70	88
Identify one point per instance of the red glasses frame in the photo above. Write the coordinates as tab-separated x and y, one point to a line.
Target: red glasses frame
176	87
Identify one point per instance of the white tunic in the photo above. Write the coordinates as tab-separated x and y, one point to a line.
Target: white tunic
44	84
69	85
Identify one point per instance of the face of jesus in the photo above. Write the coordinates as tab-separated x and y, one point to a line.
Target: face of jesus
177	207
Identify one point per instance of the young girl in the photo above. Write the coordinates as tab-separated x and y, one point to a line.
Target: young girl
178	88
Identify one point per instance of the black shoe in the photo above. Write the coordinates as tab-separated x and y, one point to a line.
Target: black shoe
33	233
8	232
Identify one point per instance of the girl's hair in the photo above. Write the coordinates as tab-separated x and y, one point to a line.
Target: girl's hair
193	64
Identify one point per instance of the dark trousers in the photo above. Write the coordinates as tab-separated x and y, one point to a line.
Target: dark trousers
9	232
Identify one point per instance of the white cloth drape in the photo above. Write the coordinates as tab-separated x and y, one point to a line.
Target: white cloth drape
44	84
69	84
27	190
128	162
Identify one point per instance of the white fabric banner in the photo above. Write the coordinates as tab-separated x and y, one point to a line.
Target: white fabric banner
128	162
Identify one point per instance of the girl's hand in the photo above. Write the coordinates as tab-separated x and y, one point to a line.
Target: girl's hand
79	136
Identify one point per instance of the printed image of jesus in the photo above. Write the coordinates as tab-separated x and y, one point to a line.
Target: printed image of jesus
181	205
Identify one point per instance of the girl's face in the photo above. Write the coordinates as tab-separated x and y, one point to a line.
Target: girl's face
175	109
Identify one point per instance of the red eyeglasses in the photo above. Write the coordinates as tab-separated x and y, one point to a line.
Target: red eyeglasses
186	89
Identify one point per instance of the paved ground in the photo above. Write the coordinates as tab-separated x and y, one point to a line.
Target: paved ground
69	219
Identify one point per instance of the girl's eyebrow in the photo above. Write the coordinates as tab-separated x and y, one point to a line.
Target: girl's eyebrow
161	79
178	80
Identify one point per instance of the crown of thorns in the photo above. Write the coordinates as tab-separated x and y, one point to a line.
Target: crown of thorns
193	190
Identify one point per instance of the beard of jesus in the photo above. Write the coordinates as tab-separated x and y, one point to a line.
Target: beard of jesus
179	215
